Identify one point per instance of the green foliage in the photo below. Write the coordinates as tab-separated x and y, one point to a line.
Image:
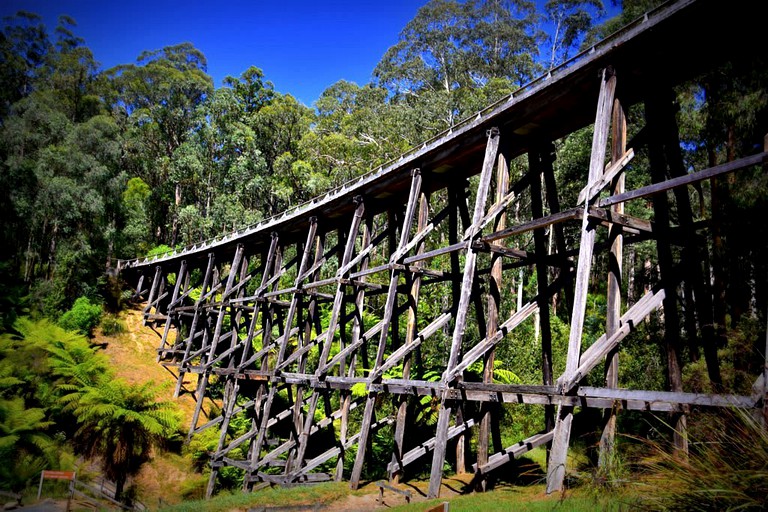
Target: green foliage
725	470
83	317
24	447
119	424
55	388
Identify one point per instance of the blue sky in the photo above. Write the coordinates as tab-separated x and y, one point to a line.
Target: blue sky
302	46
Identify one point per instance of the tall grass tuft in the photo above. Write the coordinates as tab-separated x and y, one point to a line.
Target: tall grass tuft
726	469
111	325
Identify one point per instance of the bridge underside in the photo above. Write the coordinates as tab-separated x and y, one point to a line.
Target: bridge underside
308	323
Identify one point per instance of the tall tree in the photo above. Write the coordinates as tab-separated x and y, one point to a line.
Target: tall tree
450	45
158	96
571	21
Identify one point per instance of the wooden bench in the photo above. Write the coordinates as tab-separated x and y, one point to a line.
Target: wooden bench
383	484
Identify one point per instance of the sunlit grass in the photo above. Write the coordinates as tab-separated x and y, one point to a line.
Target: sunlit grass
304	495
524	499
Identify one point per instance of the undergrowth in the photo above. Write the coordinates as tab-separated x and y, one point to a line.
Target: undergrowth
726	468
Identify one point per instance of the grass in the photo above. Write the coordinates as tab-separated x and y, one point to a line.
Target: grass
726	469
324	494
525	499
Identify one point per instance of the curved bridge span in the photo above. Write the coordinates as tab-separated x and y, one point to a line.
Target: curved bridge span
309	320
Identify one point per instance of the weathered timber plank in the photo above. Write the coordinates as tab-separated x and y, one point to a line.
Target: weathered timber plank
611	171
514	452
467	287
688	179
559	451
415	453
549	220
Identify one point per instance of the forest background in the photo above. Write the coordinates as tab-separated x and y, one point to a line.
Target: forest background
133	160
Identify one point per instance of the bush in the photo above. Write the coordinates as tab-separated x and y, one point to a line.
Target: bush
83	317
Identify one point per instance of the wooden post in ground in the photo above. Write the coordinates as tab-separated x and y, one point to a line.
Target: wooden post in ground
540	163
410	336
193	327
467	286
357	331
389	312
180	277
558	455
489	410
663	247
613	299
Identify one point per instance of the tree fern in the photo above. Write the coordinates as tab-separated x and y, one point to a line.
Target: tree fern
119	423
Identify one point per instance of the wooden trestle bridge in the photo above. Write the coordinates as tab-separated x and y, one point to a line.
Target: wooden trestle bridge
276	310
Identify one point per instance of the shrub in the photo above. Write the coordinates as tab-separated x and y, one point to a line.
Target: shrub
83	316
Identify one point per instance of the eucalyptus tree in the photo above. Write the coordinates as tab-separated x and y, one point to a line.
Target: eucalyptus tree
157	97
449	46
571	21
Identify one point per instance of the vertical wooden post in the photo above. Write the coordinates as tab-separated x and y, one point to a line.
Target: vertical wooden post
562	433
303	428
663	247
205	375
410	336
180	277
193	328
357	330
540	163
613	300
467	286
266	337
336	313
696	279
153	292
272	262
489	417
389	311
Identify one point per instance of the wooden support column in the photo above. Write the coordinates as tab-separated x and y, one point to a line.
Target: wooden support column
540	163
467	286
392	220
613	300
697	279
211	355
193	328
268	321
272	262
303	425
410	336
153	292
389	307
666	266
490	411
333	323
357	331
180	277
562	433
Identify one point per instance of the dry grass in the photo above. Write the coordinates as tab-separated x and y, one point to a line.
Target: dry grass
133	355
